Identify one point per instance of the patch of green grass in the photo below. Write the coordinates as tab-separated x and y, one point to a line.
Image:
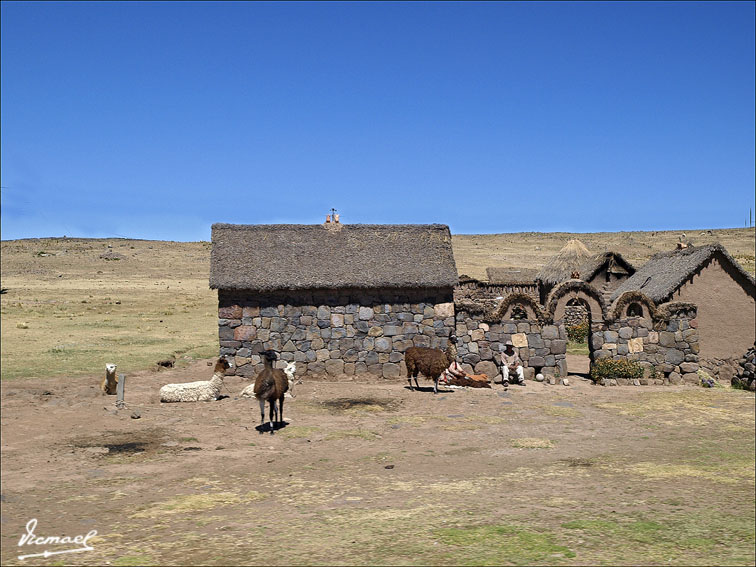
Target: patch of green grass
502	545
187	439
559	411
574	347
359	433
695	538
126	560
298	431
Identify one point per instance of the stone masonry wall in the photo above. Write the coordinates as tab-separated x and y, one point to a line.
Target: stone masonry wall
575	315
542	347
333	332
667	349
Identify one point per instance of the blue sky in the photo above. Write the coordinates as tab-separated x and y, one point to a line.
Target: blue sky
155	120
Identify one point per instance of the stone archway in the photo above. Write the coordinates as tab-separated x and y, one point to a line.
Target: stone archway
517	304
566	296
573	290
632	304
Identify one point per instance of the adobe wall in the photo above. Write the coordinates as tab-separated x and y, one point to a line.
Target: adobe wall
726	314
541	346
333	332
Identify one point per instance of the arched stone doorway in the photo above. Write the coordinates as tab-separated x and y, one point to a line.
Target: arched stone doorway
566	301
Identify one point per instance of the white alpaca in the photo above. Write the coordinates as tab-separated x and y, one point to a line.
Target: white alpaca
202	391
289	370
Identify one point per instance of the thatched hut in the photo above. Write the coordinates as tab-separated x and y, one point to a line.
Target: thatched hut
605	271
562	267
724	293
337	299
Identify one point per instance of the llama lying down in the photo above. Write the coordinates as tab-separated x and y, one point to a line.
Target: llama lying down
202	391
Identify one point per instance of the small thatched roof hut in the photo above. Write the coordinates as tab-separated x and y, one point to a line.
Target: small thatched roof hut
359	256
335	299
569	259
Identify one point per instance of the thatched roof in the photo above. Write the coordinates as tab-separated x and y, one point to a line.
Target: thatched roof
294	256
568	260
613	261
664	273
511	276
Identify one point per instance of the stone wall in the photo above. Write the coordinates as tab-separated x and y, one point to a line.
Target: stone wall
542	347
575	315
666	347
745	376
333	332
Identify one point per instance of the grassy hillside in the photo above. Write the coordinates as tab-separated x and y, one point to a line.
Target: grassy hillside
72	305
474	252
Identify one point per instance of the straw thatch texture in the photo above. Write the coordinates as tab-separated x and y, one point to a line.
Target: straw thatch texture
666	272
614	263
295	257
569	259
523	299
511	276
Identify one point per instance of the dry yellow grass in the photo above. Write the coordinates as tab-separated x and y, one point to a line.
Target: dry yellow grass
68	311
473	253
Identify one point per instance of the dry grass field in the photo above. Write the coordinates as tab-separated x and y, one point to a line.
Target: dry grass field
70	311
368	472
364	471
475	252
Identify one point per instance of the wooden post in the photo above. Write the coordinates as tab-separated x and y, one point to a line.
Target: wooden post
120	391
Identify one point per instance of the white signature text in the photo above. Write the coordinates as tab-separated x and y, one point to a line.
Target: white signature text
30	538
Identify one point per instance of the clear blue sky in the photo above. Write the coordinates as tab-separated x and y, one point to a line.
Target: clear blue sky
155	120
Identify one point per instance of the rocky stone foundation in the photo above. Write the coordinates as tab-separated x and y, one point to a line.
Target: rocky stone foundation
744	378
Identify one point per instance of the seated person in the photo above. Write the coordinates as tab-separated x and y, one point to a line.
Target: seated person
454	371
511	363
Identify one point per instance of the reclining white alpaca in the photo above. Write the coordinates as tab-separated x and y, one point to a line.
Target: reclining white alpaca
202	391
289	369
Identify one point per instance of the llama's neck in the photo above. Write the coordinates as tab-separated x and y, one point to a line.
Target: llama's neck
217	378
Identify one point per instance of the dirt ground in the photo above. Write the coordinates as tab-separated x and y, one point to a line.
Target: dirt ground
369	472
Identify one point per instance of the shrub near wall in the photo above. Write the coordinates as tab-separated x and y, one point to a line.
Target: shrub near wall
666	347
622	369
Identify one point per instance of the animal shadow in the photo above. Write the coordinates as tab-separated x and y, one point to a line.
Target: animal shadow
441	389
265	427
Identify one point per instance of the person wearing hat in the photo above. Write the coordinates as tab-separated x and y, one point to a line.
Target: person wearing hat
511	363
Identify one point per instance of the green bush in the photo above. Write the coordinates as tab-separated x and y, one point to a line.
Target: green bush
578	333
623	368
